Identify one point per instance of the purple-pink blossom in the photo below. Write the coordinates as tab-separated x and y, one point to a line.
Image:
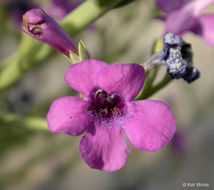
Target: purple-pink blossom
16	8
179	143
42	27
58	9
185	15
108	113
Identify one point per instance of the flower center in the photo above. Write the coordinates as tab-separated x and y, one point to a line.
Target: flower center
104	105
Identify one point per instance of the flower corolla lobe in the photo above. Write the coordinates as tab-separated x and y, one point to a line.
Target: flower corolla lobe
184	15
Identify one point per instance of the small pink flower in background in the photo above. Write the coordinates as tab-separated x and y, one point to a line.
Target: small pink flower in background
108	112
58	9
184	15
179	143
42	27
16	8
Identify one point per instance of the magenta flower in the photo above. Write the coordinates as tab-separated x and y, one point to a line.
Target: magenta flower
179	143
108	112
58	9
16	8
184	15
42	27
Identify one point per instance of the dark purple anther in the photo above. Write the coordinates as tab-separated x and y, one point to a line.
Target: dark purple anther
113	100
100	96
105	105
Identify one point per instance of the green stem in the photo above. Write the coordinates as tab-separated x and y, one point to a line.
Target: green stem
86	14
152	67
150	77
29	123
153	89
32	53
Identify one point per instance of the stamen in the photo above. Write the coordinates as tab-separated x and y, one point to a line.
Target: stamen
104	105
113	100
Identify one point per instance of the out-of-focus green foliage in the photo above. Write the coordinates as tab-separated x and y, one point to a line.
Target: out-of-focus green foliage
123	3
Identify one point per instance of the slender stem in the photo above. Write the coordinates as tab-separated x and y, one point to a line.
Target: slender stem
83	16
153	61
166	80
152	66
32	53
150	77
30	123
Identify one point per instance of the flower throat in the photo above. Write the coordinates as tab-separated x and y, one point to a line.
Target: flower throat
104	105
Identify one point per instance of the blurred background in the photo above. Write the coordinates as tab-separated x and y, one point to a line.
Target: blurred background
39	160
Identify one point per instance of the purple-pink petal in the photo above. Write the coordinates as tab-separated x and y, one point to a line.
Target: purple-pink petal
124	79
58	9
179	143
207	28
42	27
169	6
186	18
67	115
104	148
200	5
150	125
82	77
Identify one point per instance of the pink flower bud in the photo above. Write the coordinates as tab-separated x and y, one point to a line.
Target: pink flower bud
42	27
